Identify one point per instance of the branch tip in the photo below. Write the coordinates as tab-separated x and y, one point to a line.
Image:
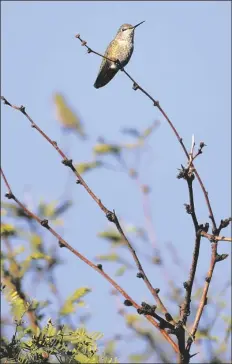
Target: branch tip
221	257
5	101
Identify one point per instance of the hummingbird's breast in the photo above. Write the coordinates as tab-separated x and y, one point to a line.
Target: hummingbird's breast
121	50
125	51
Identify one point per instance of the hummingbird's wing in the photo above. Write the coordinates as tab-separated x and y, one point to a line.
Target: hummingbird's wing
108	69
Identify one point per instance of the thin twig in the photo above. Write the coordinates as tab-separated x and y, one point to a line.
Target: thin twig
191	152
185	307
65	161
203	300
212	237
141	274
97	268
188	175
192	205
215	258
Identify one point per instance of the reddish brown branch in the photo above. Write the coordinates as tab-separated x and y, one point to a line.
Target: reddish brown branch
62	242
185	307
187	174
136	86
111	216
212	237
154	291
215	258
203	300
65	161
184	354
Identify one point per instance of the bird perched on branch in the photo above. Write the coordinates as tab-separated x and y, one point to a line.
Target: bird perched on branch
117	54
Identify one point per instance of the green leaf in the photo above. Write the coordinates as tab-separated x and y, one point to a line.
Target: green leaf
138	358
15	210
88	166
103	148
18	305
132	318
110	347
111	235
50	329
47	209
132	145
81	292
108	257
35	240
70	304
149	130
120	271
7	230
66	116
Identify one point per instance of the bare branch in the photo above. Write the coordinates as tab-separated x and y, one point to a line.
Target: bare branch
203	301
136	86
212	237
111	216
97	268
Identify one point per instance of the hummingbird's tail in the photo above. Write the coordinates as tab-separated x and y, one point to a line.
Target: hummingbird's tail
107	72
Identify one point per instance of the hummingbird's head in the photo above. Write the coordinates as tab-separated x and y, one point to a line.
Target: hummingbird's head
127	31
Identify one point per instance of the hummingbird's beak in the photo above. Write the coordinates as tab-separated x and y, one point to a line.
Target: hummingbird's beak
135	26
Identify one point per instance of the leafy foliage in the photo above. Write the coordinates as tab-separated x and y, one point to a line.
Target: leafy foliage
50	345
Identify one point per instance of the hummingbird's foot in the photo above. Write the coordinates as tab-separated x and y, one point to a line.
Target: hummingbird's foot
118	63
135	86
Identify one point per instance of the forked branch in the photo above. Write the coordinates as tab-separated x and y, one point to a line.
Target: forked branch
97	268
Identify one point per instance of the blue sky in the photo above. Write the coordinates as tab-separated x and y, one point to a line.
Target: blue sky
182	56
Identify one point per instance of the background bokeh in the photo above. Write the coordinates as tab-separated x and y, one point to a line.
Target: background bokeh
182	56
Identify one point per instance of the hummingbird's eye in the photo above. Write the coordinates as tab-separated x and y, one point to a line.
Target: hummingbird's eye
123	29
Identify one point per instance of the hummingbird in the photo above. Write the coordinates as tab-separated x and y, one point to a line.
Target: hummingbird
121	49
